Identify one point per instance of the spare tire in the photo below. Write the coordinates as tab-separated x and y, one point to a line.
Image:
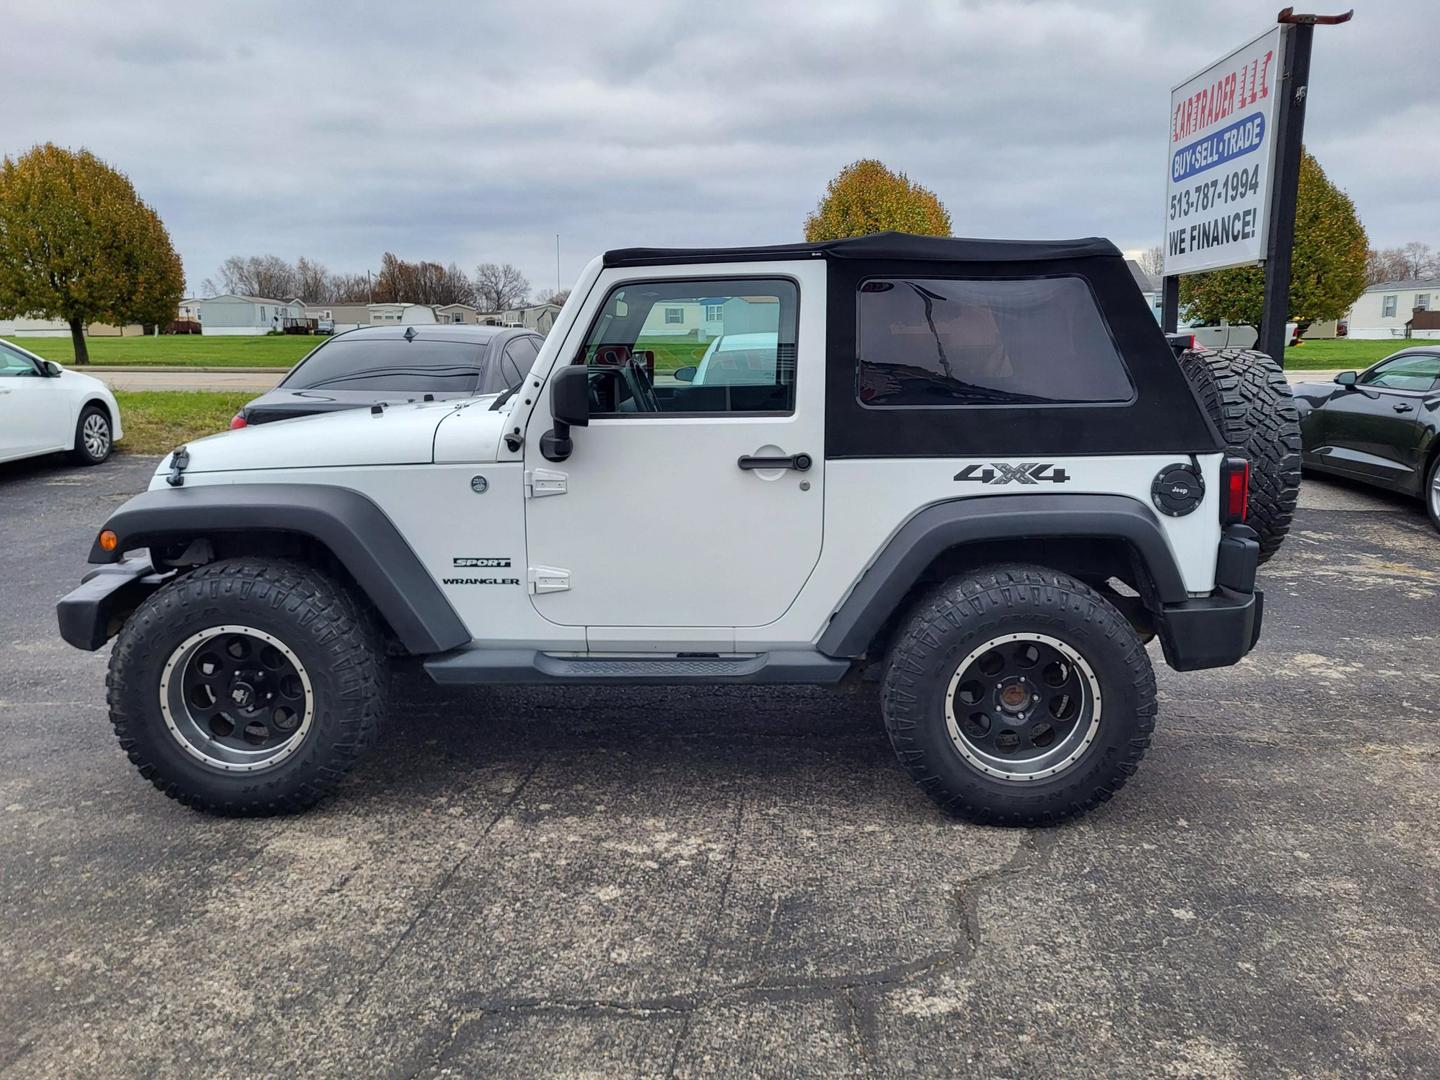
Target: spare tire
1246	394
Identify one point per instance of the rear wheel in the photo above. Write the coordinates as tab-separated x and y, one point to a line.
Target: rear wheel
1248	397
93	439
249	686
1432	492
1018	696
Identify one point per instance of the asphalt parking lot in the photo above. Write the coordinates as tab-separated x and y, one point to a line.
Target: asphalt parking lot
741	882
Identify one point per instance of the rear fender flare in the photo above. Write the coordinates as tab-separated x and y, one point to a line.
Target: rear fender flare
955	523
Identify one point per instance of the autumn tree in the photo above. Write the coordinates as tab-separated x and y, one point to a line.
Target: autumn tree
1412	260
421	283
499	287
78	244
1327	267
867	197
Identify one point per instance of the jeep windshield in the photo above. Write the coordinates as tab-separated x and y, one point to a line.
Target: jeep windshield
392	364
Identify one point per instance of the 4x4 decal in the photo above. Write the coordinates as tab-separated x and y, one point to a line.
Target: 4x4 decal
997	473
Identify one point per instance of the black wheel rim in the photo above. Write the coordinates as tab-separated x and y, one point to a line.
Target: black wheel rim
1023	707
236	698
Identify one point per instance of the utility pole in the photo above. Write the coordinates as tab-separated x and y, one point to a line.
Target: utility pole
1299	35
557	264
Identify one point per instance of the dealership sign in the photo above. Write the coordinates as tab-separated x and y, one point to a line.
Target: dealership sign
1221	160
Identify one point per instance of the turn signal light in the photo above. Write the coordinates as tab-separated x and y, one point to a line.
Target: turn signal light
108	540
238	421
1235	482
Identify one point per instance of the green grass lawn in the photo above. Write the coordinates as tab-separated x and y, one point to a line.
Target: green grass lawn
180	350
157	421
1343	353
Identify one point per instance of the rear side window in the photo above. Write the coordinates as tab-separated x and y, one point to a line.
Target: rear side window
386	364
938	342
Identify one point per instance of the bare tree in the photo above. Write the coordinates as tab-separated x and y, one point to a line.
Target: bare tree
1152	261
556	298
1412	260
500	287
313	283
351	289
257	275
421	282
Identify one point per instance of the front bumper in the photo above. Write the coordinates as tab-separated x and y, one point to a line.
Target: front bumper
1219	629
92	614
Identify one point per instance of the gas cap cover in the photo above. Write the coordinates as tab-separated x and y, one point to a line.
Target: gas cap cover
1177	490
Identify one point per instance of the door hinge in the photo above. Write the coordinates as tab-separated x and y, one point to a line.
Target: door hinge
541	482
545	579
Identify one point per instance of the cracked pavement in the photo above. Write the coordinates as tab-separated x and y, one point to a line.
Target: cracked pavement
740	881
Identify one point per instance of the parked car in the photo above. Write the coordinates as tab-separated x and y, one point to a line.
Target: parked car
392	364
45	408
1378	426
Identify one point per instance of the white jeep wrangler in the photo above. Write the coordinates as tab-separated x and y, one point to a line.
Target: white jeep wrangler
971	469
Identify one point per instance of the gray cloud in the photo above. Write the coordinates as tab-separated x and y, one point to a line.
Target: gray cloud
478	131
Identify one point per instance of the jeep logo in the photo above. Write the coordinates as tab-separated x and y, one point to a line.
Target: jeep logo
997	473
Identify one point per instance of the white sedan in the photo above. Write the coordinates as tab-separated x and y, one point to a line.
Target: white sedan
45	408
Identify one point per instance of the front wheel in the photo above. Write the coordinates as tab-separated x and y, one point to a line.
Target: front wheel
248	686
93	437
1018	696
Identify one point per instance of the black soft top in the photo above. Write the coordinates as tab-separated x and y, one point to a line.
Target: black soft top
885	245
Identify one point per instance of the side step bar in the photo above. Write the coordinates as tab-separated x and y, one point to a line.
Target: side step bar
475	667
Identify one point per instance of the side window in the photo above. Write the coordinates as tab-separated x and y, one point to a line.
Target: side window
518	359
15	364
944	342
1387	307
694	346
1414	371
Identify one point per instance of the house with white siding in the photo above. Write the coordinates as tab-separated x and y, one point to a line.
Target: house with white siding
457	313
1383	310
231	314
404	314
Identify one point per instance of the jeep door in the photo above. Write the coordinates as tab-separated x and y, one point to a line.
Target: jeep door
687	501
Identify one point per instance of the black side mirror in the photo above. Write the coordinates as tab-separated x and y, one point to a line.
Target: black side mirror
52	369
1346	378
687	374
569	406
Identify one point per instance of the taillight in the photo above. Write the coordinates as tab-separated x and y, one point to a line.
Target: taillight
238	421
1235	482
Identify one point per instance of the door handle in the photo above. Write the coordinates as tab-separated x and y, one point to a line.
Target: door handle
1402	407
799	462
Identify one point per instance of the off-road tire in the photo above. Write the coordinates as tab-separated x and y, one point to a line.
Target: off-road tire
326	627
1247	396
80	453
966	612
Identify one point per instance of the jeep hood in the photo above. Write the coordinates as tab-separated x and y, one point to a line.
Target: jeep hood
396	435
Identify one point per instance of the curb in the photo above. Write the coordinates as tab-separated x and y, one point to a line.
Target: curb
131	369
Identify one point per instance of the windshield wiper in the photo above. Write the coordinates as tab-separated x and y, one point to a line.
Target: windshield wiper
506	395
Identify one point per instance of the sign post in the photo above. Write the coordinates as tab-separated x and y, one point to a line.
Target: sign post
1235	134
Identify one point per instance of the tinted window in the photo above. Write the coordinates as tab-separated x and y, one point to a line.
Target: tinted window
1417	371
939	342
385	364
518	360
694	346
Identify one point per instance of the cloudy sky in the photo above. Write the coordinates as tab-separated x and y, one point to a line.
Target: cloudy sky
476	131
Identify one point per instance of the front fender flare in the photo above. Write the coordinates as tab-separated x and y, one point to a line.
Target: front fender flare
957	522
352	527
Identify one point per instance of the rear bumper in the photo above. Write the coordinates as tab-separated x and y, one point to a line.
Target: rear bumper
1219	629
91	615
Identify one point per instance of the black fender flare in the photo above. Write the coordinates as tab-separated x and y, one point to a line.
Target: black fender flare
351	526
957	522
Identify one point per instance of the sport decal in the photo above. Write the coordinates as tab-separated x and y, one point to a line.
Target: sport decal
461	560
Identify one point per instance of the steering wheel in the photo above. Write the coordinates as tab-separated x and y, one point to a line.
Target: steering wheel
642	390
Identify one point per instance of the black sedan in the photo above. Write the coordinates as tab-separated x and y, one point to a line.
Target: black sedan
1379	426
395	364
